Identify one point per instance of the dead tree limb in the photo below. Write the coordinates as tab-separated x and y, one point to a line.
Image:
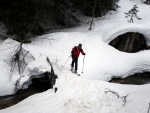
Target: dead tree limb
19	60
124	99
113	92
52	70
52	75
93	13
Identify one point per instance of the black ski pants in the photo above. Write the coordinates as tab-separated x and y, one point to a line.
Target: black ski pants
74	61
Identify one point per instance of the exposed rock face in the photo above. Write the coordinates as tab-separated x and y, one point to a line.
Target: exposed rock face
130	42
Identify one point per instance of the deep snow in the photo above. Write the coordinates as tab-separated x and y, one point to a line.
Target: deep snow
84	94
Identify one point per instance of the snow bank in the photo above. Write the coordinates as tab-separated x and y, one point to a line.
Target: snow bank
74	95
112	32
79	95
12	80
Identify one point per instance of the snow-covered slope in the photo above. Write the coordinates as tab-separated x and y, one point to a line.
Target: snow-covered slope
87	93
79	95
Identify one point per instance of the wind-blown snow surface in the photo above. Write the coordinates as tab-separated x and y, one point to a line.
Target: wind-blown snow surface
102	62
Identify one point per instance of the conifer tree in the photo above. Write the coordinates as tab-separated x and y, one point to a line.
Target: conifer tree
132	13
101	6
28	18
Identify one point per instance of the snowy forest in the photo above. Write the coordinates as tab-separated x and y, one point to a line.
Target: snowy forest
74	56
28	18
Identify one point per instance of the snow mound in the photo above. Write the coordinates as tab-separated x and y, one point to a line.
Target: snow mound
112	32
74	95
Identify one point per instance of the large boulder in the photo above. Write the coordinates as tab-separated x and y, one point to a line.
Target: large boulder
130	42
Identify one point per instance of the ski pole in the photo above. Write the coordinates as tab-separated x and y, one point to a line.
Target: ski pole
83	63
66	61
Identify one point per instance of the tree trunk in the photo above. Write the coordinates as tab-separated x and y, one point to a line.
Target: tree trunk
93	15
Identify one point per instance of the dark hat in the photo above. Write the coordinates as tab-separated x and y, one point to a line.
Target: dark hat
80	45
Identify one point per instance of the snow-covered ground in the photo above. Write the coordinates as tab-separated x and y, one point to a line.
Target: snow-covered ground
90	92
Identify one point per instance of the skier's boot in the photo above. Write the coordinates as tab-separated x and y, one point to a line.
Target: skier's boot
75	71
71	69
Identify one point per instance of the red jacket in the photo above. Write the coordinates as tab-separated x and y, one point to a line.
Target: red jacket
76	51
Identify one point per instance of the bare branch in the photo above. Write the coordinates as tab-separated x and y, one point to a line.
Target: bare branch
110	91
115	93
18	59
124	99
46	38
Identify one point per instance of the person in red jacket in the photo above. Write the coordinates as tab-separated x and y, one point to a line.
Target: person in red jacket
75	54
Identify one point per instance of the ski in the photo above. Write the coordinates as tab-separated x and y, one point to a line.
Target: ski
77	74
